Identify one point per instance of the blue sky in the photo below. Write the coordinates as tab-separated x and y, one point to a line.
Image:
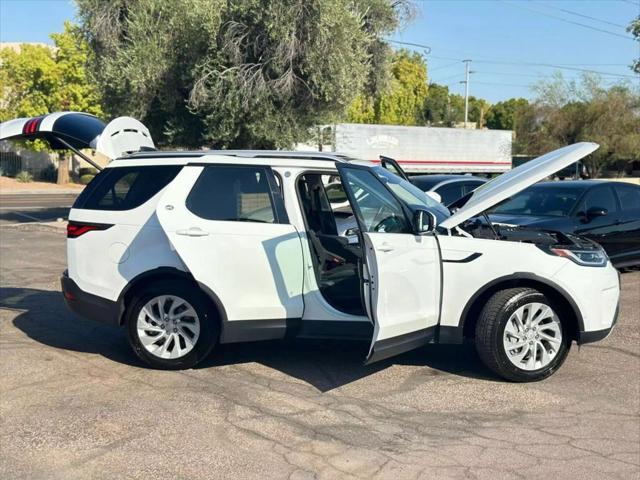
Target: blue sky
514	32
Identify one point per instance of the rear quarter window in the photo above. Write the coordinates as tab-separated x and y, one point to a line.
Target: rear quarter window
629	196
125	188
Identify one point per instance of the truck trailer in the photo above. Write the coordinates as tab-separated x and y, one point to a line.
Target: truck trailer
427	149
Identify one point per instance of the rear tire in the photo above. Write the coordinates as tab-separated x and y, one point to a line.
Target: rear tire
170	325
521	336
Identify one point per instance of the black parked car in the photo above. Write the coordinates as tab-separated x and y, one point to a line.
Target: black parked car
604	211
449	187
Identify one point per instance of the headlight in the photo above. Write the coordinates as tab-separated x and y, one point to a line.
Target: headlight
588	258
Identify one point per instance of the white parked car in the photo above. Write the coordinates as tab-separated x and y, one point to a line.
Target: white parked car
187	250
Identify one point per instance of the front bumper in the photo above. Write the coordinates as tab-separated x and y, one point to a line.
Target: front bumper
88	305
597	335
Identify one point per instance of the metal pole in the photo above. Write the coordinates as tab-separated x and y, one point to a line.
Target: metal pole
466	92
78	152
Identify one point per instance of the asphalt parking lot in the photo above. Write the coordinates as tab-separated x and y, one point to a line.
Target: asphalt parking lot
76	403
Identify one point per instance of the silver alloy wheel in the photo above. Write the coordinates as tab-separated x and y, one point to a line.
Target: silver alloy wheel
532	336
168	327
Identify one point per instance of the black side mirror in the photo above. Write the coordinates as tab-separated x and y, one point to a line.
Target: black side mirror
594	212
423	221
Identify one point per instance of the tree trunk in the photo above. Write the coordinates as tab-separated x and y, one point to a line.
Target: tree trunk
63	168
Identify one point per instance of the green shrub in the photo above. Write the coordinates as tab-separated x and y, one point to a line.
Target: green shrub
49	174
85	179
1	172
24	177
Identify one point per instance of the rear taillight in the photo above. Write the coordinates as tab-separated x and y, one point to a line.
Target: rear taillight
76	229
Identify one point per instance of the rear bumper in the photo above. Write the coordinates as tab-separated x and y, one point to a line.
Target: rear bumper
88	305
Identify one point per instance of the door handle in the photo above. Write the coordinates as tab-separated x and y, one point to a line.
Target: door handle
385	247
192	232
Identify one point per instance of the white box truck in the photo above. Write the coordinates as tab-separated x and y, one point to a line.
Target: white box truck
427	149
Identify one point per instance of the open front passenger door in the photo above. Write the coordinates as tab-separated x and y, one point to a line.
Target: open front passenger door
401	277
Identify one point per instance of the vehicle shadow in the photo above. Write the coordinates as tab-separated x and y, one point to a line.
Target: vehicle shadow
47	320
329	364
324	364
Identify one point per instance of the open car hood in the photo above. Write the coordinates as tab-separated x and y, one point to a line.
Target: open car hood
81	130
516	180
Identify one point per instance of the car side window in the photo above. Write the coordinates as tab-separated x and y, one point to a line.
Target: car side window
336	193
125	188
599	197
471	186
378	210
629	197
234	194
450	192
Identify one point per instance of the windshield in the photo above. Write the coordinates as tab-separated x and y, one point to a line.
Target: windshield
410	194
542	200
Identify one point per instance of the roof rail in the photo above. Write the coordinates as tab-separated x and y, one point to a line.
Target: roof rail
336	157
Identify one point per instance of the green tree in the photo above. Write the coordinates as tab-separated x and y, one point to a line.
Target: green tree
37	80
445	109
506	115
29	77
401	102
478	109
437	105
634	29
256	73
74	90
569	112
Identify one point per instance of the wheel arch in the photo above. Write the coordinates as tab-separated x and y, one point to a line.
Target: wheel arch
167	273
553	291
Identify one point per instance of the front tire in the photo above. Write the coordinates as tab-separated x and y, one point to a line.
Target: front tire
520	335
170	325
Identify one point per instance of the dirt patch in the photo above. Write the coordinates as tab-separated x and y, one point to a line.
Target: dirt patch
11	185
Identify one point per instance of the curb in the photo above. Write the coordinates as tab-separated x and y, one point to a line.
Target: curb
58	227
40	192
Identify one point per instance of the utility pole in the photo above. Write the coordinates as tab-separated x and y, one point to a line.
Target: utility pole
467	72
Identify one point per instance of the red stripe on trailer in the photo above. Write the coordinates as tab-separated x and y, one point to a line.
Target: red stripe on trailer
447	162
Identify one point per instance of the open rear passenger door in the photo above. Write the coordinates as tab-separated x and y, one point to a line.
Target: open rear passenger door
228	224
401	269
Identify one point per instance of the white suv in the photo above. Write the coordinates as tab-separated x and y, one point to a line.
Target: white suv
190	249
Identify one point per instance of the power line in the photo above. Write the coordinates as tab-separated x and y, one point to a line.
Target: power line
535	64
504	84
450	76
566	66
549	65
444	66
570	12
545	14
538	75
538	64
426	47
